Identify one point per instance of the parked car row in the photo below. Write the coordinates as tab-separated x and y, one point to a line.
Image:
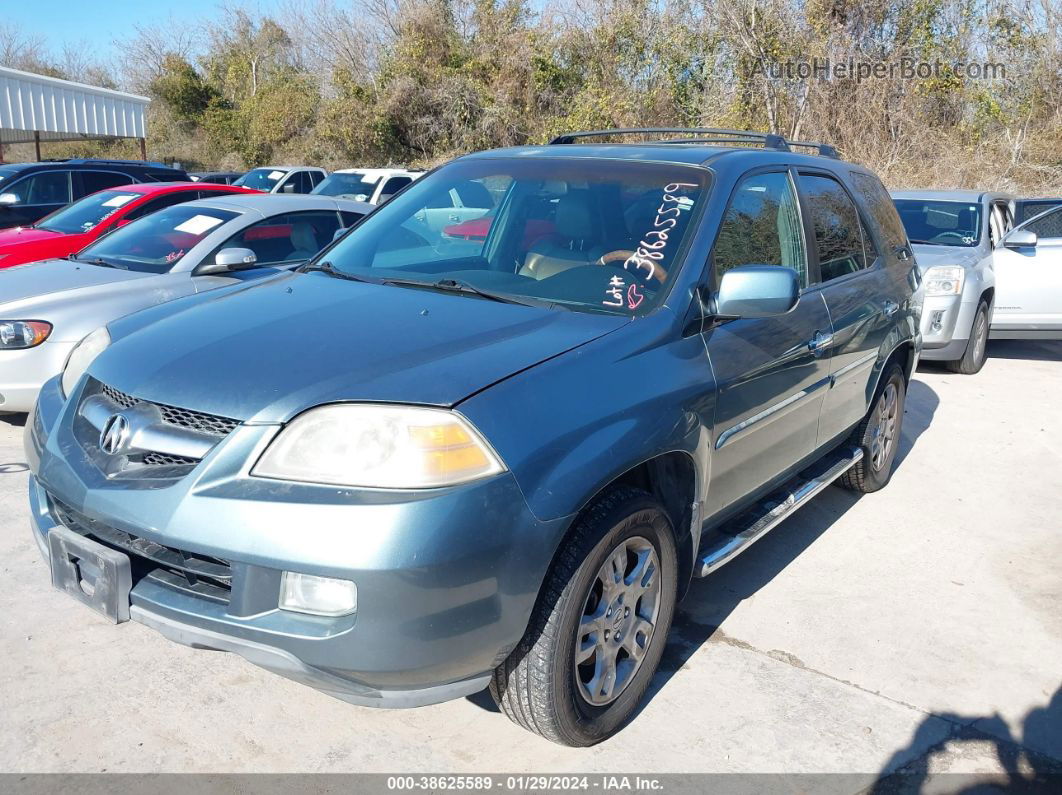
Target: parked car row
485	438
30	191
136	246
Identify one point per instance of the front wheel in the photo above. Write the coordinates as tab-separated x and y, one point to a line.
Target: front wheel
599	627
973	358
879	435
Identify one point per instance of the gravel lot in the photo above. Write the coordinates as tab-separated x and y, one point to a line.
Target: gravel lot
921	625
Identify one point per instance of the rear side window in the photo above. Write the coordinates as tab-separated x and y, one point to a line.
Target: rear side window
92	181
762	227
1048	226
879	204
839	238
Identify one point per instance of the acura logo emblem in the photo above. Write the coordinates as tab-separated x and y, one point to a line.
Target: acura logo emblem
115	434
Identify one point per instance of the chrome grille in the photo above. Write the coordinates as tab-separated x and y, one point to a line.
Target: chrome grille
184	418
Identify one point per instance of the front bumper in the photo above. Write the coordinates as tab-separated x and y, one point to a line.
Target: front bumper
22	373
946	324
446	579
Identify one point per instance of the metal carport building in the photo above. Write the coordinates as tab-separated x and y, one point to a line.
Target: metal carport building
35	108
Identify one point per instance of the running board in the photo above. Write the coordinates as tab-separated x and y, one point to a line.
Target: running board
740	533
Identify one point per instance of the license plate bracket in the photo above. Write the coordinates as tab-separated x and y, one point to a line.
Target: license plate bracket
92	573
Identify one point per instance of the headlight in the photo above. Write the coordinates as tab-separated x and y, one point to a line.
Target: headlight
377	446
82	356
18	334
944	280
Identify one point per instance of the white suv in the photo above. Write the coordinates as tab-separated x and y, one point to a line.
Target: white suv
372	185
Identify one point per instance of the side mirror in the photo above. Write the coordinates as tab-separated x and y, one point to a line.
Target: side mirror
339	233
229	259
757	291
288	187
1018	238
10	198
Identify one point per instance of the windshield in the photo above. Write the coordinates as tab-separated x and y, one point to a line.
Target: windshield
940	223
7	172
156	242
356	186
83	215
261	178
593	235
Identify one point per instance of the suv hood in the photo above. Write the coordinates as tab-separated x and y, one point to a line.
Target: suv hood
273	349
927	256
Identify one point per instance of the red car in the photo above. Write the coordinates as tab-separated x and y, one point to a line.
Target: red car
70	229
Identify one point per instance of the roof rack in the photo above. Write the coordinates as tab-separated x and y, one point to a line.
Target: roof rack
105	160
704	135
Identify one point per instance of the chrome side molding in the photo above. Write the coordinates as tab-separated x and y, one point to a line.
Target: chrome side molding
724	549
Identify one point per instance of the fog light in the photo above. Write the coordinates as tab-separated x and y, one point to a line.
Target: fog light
937	323
320	596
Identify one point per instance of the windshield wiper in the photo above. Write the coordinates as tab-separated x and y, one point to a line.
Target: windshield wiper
98	261
458	286
332	270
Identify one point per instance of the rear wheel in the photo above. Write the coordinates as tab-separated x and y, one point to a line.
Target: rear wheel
600	625
973	359
879	435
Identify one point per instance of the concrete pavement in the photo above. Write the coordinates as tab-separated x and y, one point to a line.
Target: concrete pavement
919	626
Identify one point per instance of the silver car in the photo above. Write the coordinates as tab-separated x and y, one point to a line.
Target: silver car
1028	268
954	235
47	307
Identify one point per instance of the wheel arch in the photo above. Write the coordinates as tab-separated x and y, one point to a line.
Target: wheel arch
671	477
903	355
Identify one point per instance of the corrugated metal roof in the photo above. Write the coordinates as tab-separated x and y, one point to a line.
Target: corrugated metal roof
61	110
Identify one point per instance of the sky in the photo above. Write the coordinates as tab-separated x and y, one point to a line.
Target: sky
98	23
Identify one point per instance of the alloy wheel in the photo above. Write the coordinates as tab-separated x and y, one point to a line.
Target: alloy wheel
883	432
619	617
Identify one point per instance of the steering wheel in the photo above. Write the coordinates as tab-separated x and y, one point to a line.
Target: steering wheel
622	255
959	235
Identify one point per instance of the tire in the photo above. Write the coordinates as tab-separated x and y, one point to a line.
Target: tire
873	470
540	686
973	359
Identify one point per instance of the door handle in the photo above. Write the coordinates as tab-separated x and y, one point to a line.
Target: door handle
901	252
820	342
890	308
455	217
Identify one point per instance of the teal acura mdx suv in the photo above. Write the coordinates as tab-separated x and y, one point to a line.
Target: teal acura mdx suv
426	464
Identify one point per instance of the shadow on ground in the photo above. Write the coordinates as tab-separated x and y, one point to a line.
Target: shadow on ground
1029	350
1024	350
1025	764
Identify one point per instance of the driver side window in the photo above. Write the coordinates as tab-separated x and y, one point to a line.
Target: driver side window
285	239
762	227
